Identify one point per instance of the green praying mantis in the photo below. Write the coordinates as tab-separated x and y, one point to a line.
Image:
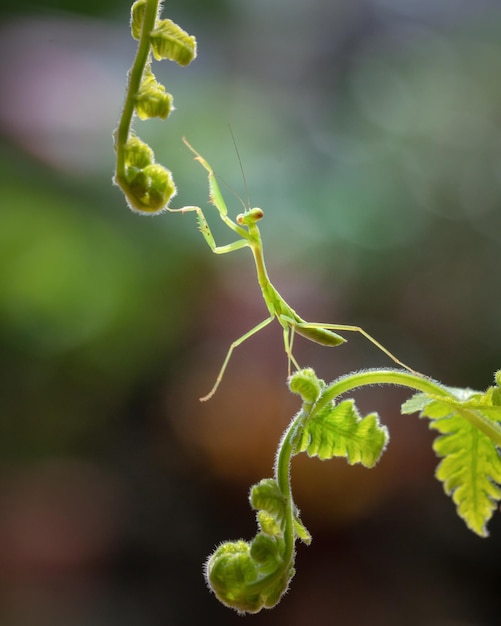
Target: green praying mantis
250	237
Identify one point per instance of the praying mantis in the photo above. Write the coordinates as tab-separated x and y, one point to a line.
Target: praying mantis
250	237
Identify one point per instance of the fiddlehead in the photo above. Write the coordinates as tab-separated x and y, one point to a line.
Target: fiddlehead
250	576
148	186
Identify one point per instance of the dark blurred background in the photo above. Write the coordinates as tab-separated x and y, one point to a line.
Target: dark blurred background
370	133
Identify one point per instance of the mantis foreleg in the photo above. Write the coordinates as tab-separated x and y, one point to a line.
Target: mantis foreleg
204	228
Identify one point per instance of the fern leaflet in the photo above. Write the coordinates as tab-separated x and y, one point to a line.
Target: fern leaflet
470	469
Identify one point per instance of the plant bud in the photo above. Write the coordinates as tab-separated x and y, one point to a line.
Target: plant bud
230	571
306	384
152	100
169	41
151	189
137	18
137	153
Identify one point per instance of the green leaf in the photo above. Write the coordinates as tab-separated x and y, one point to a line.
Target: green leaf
269	524
470	469
266	496
301	531
137	18
339	430
151	99
271	506
306	384
170	41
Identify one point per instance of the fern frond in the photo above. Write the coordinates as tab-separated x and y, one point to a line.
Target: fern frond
339	430
470	469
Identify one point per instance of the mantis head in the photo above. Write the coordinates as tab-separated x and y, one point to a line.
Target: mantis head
250	217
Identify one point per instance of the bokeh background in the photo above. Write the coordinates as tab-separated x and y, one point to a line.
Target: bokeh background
370	133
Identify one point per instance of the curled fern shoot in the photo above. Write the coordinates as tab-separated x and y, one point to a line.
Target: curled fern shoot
148	186
251	575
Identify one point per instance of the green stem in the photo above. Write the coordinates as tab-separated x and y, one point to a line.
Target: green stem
282	476
402	378
477	419
134	82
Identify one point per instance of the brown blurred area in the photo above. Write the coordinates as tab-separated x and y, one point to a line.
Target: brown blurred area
370	134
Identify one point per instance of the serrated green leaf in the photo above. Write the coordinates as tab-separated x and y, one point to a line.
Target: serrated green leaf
420	401
436	406
482	410
470	470
415	404
339	430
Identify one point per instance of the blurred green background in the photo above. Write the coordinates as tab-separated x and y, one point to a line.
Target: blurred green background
370	134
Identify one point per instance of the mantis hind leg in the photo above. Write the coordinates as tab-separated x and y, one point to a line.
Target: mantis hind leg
364	333
234	345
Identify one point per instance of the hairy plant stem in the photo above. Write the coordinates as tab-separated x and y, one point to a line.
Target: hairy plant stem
283	478
402	378
134	82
